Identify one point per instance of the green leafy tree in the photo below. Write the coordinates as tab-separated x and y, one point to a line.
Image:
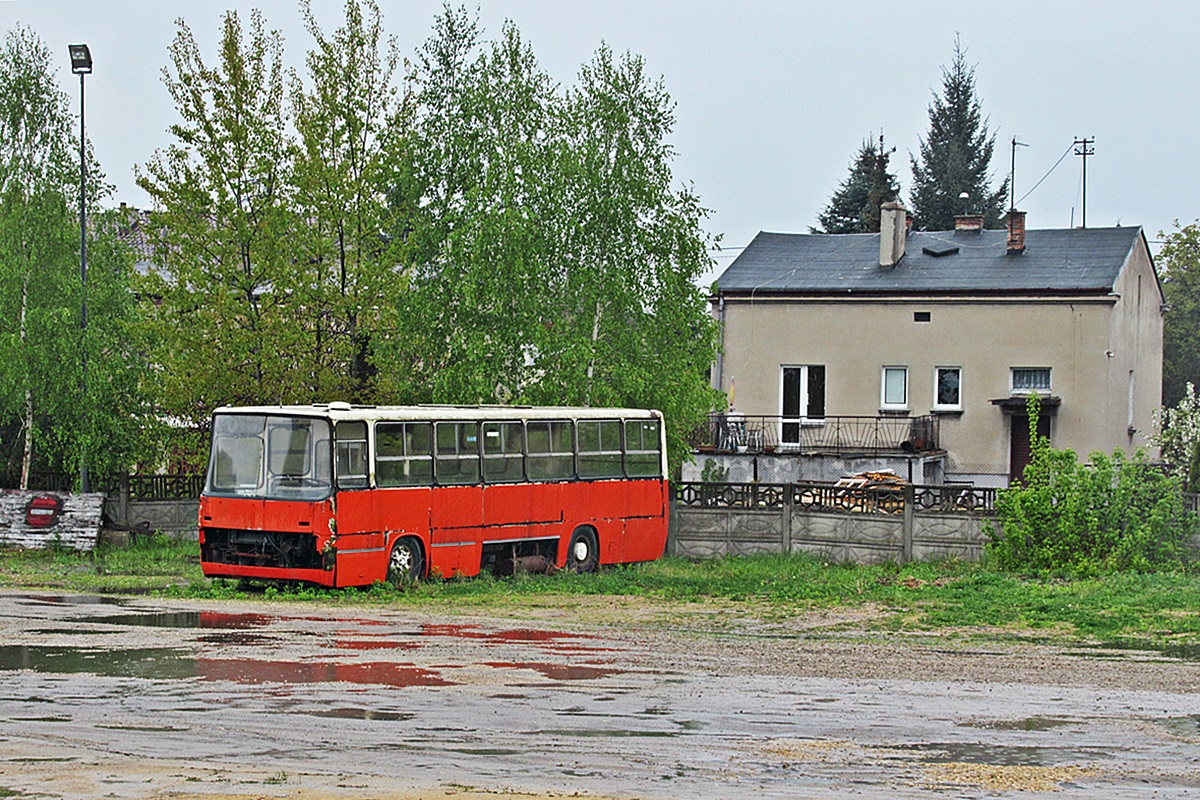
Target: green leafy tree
554	257
629	325
956	156
344	267
228	327
854	207
1179	269
480	153
52	415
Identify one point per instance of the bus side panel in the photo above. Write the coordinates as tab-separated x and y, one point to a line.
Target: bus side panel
646	521
456	530
368	522
597	504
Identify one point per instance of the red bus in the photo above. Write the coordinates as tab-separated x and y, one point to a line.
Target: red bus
341	495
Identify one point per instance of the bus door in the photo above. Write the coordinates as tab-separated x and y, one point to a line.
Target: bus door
360	538
456	509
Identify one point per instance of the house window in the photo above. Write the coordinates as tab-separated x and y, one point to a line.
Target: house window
895	389
922	316
803	399
947	393
1026	380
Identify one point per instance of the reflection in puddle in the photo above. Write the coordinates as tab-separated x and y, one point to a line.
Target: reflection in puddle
183	619
363	714
163	663
1025	724
557	672
518	635
245	670
976	753
1183	726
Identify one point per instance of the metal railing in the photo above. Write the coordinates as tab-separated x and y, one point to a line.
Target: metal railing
823	496
739	433
138	487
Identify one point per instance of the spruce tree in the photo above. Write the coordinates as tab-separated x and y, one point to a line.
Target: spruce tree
854	207
956	156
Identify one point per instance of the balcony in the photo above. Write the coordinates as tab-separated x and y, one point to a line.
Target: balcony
843	436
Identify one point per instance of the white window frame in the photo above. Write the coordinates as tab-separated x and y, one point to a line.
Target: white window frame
1012	380
937	381
884	405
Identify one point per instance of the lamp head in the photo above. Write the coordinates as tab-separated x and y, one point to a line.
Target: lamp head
81	59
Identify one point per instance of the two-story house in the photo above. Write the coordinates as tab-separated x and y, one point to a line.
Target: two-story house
959	327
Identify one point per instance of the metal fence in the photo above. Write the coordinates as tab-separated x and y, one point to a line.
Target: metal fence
138	487
820	496
738	433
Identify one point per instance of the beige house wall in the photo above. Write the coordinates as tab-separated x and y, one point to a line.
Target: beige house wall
1091	346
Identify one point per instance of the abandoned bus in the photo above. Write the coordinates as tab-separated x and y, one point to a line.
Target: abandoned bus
341	495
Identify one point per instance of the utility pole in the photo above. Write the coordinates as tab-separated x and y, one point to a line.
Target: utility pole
1084	148
1012	175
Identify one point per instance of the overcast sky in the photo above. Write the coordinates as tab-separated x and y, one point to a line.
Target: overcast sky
772	98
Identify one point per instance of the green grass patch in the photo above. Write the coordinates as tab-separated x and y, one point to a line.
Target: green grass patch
958	598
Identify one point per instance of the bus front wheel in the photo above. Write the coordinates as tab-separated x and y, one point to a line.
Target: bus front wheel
583	555
406	563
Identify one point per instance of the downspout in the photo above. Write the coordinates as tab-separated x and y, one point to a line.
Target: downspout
720	376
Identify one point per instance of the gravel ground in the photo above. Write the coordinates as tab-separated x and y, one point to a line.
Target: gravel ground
592	697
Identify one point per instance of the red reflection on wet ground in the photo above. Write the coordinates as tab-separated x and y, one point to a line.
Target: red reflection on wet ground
217	619
558	672
245	670
518	635
372	644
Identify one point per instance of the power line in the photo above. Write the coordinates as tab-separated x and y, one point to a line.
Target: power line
1047	175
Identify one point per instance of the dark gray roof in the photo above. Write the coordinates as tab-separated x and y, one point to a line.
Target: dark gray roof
1067	261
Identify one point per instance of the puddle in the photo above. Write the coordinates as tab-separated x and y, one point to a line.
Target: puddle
163	663
148	662
144	728
1026	724
378	673
41	719
997	755
558	672
372	644
238	638
369	714
1183	726
182	619
70	600
604	733
516	635
1175	651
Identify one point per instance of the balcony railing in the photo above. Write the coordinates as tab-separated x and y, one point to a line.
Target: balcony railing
739	433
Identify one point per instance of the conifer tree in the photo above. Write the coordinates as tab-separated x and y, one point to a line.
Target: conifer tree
854	207
956	156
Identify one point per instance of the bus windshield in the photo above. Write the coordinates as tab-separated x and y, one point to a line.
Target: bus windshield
276	458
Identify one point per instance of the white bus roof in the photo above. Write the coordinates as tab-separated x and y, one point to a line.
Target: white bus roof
345	411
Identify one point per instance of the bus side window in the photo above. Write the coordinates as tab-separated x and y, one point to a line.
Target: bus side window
551	450
642	456
599	448
351	456
503	452
457	452
403	454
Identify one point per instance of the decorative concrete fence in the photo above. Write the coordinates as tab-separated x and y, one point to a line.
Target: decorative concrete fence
166	504
845	524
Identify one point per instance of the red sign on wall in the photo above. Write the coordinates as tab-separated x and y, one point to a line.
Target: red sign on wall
43	511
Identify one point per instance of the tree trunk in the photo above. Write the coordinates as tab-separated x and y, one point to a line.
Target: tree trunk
27	455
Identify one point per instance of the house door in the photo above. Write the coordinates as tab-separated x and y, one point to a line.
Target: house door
802	398
1019	454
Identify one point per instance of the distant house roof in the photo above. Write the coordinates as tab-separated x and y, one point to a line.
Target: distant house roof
1084	261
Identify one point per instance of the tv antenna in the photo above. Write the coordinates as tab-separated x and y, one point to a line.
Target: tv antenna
1084	148
1012	175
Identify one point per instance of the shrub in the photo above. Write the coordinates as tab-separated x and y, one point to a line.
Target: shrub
1118	513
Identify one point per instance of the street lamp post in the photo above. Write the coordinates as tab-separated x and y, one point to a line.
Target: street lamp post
81	64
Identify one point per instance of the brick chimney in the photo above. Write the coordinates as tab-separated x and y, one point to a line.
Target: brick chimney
968	223
1016	232
893	226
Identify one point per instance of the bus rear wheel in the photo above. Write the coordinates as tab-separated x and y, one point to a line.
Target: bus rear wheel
583	554
406	564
